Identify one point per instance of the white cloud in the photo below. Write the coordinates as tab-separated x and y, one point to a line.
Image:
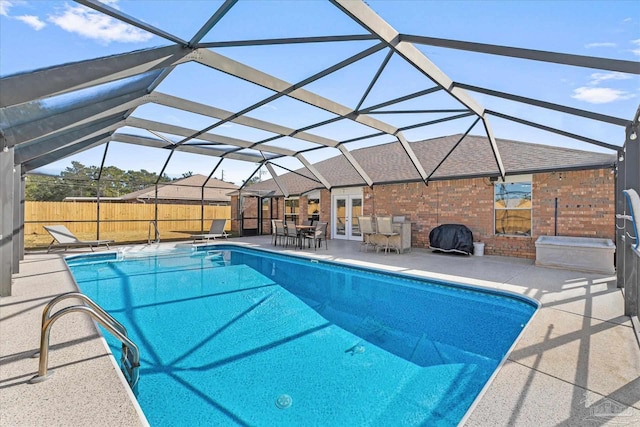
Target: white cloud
112	3
600	95
5	5
32	21
600	44
627	20
597	78
637	50
94	25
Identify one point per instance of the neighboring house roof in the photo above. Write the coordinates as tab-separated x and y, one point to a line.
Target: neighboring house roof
388	163
187	189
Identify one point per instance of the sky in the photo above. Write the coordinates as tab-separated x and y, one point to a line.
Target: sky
42	33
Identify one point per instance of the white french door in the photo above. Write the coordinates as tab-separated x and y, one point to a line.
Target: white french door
346	210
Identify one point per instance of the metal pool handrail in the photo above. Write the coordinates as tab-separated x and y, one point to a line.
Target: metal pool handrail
157	232
130	360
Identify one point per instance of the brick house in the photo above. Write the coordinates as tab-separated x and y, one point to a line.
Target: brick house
186	191
547	190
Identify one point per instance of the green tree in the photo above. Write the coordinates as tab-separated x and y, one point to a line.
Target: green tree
79	180
44	188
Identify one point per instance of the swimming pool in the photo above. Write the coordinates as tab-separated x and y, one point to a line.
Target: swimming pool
230	335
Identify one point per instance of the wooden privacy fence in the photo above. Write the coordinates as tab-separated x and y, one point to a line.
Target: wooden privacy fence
120	221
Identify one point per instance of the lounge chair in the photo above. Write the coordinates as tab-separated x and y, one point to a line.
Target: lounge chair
216	230
66	239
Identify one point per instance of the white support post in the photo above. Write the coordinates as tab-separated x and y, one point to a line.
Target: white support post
18	225
6	220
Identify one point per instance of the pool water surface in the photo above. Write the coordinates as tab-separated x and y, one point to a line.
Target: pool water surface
238	336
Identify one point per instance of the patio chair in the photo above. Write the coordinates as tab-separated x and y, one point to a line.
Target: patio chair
281	232
385	228
306	222
290	233
274	236
318	235
216	230
66	239
366	227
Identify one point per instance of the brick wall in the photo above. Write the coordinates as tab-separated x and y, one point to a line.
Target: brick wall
585	208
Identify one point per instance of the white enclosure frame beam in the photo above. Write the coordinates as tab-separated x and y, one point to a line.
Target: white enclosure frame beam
236	69
78	75
292	40
618	65
554	130
209	137
28	131
218	113
547	105
215	18
65	151
368	19
276	179
114	13
6	220
40	147
355	165
158	143
314	171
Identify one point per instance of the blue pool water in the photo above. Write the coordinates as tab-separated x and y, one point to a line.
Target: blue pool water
237	336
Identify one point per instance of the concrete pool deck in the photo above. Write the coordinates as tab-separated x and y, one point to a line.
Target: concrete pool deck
577	363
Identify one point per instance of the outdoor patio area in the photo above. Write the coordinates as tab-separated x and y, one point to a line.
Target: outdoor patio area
577	363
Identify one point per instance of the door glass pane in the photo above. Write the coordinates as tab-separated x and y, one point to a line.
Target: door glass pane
341	214
356	211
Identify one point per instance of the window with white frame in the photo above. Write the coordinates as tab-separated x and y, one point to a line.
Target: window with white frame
291	209
512	206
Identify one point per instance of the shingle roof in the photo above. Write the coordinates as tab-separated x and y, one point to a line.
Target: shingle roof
389	163
187	189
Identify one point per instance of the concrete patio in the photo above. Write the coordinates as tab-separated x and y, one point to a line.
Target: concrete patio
577	363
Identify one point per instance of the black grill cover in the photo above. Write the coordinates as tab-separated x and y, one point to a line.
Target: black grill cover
451	238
